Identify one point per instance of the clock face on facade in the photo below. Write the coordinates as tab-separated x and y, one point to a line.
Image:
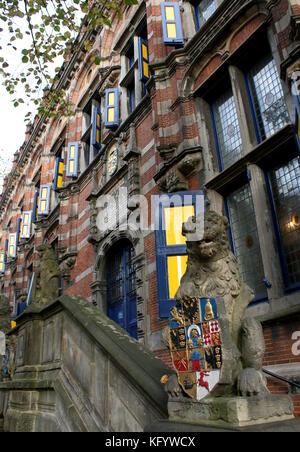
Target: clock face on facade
112	161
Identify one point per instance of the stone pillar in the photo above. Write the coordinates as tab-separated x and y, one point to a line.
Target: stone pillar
243	109
266	234
123	98
189	22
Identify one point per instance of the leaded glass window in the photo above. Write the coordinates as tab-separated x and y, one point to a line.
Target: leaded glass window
268	98
227	129
245	239
204	10
285	182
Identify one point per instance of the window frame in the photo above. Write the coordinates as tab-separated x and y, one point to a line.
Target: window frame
258	298
141	60
296	114
3	253
47	211
74	173
163	251
115	106
196	5
216	135
179	40
251	101
14	255
288	286
26	236
96	128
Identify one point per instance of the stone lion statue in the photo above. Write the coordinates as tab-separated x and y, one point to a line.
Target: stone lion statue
212	271
5	312
46	283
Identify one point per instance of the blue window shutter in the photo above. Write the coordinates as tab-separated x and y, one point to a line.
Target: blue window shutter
73	159
96	127
44	199
143	60
19	229
35	207
174	21
12	245
2	261
25	234
6	245
163	251
112	109
57	173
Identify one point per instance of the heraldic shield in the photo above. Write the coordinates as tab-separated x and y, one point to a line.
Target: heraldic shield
196	347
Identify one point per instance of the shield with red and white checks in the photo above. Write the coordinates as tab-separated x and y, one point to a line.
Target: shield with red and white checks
196	346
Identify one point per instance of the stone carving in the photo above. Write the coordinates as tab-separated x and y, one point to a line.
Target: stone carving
212	273
46	282
175	175
4	314
217	353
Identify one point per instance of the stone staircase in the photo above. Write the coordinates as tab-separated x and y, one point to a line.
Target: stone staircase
76	370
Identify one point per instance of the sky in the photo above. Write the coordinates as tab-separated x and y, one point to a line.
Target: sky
12	126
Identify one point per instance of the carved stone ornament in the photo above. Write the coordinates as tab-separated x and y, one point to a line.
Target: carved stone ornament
176	174
66	266
4	314
46	280
214	351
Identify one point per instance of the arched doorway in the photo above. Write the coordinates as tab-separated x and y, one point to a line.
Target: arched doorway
121	287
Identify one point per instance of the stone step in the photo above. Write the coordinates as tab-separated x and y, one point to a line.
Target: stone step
166	426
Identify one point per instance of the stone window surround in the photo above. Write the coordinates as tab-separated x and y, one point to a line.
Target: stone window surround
99	284
262	206
189	17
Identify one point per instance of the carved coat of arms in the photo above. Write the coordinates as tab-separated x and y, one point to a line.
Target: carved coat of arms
196	346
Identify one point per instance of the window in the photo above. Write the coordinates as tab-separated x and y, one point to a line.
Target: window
227	130
131	91
285	190
134	69
144	74
72	160
112	108
58	173
121	287
204	10
44	200
245	239
35	212
268	99
171	23
19	230
2	261
172	211
296	113
12	245
26	225
91	137
55	248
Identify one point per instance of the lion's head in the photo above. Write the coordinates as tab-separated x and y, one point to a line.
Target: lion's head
213	244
